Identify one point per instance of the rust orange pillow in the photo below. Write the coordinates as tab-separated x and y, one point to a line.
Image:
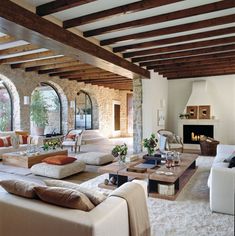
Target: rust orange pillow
70	136
59	160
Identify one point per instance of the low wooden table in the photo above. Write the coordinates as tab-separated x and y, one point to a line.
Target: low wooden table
23	159
181	175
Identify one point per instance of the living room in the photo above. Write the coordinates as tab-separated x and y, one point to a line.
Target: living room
119	72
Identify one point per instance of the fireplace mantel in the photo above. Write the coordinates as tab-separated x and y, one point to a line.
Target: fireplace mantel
181	122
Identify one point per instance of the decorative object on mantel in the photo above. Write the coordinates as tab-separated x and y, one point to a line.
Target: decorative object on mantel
120	151
192	111
204	112
184	115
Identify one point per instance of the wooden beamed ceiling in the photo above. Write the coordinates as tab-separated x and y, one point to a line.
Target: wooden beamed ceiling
175	38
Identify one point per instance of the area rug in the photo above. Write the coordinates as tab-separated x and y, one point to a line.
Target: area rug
190	213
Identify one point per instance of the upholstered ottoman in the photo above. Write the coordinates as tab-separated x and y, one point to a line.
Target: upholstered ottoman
58	171
95	158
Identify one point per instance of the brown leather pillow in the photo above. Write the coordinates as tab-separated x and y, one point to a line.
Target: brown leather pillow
19	187
64	197
70	137
59	160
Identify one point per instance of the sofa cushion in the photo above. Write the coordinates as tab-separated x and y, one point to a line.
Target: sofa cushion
5	141
64	197
59	160
95	158
232	163
95	197
70	137
19	187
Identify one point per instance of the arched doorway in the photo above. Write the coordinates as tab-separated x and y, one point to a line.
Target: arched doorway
6	105
46	110
83	112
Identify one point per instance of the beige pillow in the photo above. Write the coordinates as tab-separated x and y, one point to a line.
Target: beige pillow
21	188
94	196
64	197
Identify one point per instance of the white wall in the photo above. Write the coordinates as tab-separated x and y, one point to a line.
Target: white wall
155	92
222	91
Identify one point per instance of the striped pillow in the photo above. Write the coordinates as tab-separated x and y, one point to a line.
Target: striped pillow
5	141
24	139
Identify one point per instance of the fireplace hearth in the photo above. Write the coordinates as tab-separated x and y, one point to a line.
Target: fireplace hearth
193	133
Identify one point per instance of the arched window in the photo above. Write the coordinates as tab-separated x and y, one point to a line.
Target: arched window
6	111
83	114
46	112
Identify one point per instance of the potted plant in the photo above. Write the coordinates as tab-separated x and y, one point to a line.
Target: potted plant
120	151
150	144
38	112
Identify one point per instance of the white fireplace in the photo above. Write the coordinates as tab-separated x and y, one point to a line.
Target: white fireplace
200	96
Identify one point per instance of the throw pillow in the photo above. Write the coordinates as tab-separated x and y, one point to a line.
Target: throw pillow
5	141
228	159
94	196
19	187
232	163
64	197
70	137
59	160
24	139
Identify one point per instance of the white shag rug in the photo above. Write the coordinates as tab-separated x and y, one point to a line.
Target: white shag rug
189	214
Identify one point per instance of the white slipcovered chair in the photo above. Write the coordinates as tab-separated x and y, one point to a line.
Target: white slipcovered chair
168	141
75	142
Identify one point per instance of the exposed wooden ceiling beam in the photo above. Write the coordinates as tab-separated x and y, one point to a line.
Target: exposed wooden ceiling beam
28	57
6	39
198	74
53	66
21	23
59	5
196	63
178	39
208	8
18	49
78	71
172	29
95	74
184	46
106	81
66	69
41	62
189	59
186	53
121	10
192	68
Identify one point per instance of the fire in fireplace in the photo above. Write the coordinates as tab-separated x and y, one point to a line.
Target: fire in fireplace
193	133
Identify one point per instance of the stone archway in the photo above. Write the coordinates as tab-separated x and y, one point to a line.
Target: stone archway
15	101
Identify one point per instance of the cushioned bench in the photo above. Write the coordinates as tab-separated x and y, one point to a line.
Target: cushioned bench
95	158
58	171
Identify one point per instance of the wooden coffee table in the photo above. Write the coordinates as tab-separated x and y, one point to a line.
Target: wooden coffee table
23	159
181	175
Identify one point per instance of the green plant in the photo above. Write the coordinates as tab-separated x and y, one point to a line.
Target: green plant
120	151
150	144
38	110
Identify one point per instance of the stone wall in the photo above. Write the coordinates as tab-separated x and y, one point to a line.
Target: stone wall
23	83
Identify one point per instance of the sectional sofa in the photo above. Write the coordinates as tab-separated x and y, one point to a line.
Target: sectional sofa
221	181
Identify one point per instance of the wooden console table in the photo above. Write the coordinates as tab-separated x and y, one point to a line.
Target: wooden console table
26	160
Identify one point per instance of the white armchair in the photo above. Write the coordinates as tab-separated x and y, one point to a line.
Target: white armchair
73	139
169	141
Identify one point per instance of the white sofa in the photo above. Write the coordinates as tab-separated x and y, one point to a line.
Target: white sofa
22	147
221	181
30	217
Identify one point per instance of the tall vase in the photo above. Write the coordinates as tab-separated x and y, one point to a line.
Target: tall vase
122	161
